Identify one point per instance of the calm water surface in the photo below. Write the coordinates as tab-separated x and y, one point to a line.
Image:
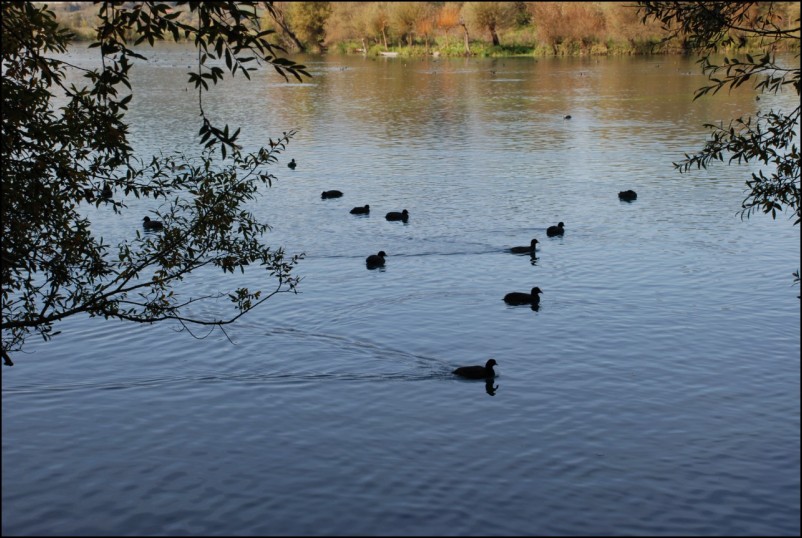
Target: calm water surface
656	391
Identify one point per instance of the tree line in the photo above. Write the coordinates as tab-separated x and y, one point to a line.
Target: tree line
459	28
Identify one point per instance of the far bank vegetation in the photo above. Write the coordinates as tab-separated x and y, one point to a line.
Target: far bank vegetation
456	28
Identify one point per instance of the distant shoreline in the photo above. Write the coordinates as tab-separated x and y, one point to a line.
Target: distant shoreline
539	30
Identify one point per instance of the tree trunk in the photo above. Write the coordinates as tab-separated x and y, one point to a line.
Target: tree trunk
467	45
278	16
494	35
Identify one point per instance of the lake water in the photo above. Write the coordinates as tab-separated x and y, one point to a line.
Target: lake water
655	391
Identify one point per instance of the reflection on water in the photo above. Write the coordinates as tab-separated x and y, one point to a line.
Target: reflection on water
634	396
490	388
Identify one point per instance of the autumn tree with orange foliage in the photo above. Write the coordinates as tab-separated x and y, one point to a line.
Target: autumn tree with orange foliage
448	18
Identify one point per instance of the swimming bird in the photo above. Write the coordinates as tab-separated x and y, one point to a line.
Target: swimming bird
152	224
361	210
568	117
525	250
292	164
628	196
519	298
375	260
395	215
551	231
477	372
331	194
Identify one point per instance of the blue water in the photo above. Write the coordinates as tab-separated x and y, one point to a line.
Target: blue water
655	391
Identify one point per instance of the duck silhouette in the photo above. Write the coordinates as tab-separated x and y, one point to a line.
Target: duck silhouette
519	298
477	372
552	231
628	195
292	164
395	215
361	210
375	260
525	250
331	194
152	224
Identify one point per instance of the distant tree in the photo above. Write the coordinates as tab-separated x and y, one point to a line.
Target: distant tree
490	16
769	137
448	18
349	20
560	24
308	21
623	25
379	20
521	15
405	17
424	25
56	162
278	15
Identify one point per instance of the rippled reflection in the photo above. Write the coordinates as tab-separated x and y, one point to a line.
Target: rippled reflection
490	388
